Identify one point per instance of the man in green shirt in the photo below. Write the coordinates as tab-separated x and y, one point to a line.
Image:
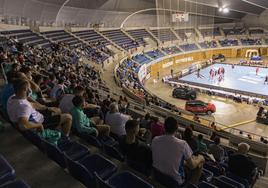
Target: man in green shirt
82	123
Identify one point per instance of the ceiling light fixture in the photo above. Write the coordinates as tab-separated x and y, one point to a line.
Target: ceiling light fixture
225	10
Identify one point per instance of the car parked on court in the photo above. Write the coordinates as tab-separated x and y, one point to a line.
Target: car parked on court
184	93
197	106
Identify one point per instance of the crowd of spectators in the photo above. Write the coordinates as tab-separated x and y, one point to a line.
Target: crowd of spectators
44	91
249	41
228	42
127	74
209	44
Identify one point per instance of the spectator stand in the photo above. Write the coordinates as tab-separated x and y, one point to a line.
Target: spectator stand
140	35
26	37
164	35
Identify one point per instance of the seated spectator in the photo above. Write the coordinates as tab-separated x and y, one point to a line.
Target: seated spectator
28	76
132	147
27	115
213	135
202	147
188	137
66	104
216	150
145	121
58	90
116	120
169	153
82	123
7	91
242	165
157	128
196	119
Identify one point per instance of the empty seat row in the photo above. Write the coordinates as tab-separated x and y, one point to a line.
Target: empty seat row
210	32
189	47
8	176
164	34
140	34
27	37
91	36
120	39
186	33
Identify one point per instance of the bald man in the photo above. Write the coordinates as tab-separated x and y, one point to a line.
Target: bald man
242	165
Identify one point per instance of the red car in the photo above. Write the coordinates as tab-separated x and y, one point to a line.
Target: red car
197	106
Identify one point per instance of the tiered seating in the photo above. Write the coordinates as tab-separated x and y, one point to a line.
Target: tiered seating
182	33
7	173
131	65
208	44
7	176
234	31
120	39
27	37
92	36
248	42
171	50
210	32
139	35
164	35
121	180
189	47
256	31
15	184
155	54
228	42
62	36
142	59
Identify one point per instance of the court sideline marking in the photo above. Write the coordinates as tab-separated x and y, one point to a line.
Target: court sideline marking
237	124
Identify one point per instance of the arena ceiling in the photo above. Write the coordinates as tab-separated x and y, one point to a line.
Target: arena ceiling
238	8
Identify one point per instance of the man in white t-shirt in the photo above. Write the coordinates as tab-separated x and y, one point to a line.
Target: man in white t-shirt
116	120
27	116
169	153
66	103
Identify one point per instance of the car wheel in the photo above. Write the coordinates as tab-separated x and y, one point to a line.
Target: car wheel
209	112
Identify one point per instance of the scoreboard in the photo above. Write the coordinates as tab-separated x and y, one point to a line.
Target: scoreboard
180	17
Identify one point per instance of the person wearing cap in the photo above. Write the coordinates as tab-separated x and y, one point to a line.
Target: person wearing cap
241	164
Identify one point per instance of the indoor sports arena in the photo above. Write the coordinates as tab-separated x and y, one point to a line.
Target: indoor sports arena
136	94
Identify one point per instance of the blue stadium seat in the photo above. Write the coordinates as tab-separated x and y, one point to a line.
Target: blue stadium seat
231	181
214	169
16	184
140	167
129	180
7	173
206	175
206	185
74	150
34	139
122	180
100	183
95	141
112	150
165	179
83	170
238	179
222	184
